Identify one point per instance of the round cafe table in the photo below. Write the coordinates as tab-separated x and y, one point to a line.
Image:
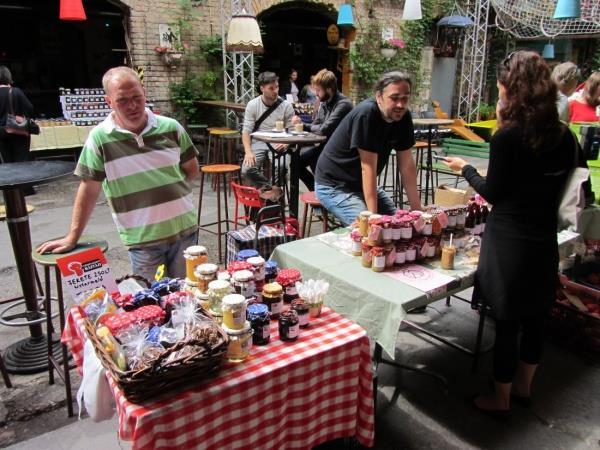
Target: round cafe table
28	355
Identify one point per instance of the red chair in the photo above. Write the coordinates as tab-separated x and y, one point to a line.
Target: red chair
250	198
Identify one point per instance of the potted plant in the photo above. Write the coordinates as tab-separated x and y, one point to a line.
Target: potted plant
171	56
389	47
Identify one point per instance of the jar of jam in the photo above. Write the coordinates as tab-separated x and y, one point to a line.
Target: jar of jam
411	253
396	229
302	308
224	275
289	325
378	263
234	311
272	296
366	256
431	247
363	222
451	218
234	266
400	255
407	227
243	283
386	229
355	243
194	256
216	291
271	270
461	215
389	251
428	224
260	320
240	342
436	226
287	279
375	234
258	265
243	255
205	273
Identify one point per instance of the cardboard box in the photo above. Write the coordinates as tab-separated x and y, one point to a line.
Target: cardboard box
448	196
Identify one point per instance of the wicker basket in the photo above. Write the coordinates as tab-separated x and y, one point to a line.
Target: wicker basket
157	379
573	328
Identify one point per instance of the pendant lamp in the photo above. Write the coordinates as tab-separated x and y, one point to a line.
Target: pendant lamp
548	52
72	10
345	18
412	10
567	9
244	34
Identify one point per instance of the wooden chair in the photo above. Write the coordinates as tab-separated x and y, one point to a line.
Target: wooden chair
249	197
311	201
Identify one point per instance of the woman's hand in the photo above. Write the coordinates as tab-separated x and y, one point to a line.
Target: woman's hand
455	163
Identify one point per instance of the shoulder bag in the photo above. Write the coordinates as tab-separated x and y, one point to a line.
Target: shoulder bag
15	124
572	200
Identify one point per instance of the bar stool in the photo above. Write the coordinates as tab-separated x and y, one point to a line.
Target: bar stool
48	260
220	172
218	138
311	201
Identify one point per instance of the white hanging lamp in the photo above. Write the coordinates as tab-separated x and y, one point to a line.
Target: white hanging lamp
244	34
412	10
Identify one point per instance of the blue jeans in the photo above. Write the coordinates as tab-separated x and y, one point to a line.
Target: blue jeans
347	205
145	261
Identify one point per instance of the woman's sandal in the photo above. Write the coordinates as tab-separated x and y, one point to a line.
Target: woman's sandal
501	415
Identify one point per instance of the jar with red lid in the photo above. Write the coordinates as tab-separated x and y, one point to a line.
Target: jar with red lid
366	256
375	234
389	250
378	262
396	228
287	278
301	307
407	227
235	266
386	229
355	243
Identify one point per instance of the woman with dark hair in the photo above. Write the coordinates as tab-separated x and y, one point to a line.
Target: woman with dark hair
13	148
585	108
530	157
289	86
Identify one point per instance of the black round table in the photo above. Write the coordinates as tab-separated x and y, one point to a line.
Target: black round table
29	355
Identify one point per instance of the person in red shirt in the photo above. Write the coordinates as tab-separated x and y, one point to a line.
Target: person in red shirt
584	109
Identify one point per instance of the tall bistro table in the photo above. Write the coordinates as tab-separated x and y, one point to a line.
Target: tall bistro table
295	144
28	355
430	124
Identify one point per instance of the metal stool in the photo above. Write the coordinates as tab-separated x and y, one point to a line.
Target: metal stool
220	172
311	201
217	139
49	260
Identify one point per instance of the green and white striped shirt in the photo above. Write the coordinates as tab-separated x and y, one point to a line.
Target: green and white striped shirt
150	199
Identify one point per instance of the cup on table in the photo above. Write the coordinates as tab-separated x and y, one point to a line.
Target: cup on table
279	125
448	253
299	127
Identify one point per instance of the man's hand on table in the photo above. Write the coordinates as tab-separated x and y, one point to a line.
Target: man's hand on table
62	245
280	147
296	120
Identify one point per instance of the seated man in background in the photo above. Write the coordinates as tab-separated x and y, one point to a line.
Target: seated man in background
261	114
359	149
333	107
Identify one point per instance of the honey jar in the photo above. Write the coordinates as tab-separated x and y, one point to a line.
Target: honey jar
240	342
234	311
205	273
363	222
194	256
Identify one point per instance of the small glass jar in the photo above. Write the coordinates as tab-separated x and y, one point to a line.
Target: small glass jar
378	263
428	224
258	266
234	311
194	256
400	255
389	251
396	229
289	325
205	273
244	255
234	266
243	283
260	320
431	248
411	253
461	215
436	227
407	227
375	234
355	243
386	229
240	342
302	308
271	269
224	275
272	296
363	222
366	255
451	218
216	291
287	278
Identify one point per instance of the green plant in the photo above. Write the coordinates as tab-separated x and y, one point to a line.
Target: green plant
486	111
211	47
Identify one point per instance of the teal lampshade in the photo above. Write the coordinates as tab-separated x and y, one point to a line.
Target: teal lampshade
345	16
548	52
567	9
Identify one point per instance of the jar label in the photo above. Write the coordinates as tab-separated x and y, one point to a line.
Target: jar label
356	248
237	316
451	220
460	219
427	229
247	289
277	307
293	331
411	254
400	257
303	319
396	234
266	331
387	234
379	262
431	251
407	232
246	344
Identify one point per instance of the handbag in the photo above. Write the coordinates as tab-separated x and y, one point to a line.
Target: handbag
572	199
14	123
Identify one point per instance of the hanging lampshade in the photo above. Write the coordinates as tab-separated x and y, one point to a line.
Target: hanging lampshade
244	34
345	18
71	10
412	10
567	9
548	52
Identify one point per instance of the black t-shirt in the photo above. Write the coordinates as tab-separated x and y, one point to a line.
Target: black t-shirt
21	104
364	128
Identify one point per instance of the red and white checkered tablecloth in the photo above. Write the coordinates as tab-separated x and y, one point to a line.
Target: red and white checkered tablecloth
292	395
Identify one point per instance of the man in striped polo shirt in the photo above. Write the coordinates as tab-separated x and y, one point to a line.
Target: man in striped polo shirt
145	164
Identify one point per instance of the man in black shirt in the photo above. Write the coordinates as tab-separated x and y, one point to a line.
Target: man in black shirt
332	109
358	150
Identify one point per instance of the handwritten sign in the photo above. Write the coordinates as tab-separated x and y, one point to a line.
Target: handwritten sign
86	270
